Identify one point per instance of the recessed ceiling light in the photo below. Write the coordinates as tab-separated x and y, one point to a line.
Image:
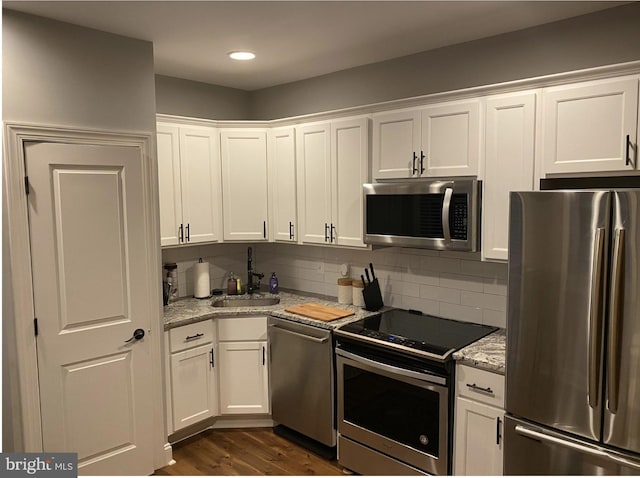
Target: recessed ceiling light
242	55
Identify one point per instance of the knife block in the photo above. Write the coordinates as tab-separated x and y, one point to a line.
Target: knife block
372	296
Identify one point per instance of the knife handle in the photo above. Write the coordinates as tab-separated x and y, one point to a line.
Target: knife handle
364	284
366	271
373	274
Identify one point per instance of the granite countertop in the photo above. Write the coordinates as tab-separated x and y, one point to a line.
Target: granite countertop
189	310
488	353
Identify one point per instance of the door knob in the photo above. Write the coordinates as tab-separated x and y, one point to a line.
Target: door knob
137	335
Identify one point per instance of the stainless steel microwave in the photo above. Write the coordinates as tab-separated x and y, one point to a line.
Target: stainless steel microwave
441	214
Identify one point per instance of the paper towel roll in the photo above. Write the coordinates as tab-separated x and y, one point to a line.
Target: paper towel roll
201	285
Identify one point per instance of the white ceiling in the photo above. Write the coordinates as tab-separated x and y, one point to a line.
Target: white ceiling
294	40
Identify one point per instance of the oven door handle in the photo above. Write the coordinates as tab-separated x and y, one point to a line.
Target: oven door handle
424	376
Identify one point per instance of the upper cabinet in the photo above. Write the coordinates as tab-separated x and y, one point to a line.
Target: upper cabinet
281	152
451	139
189	184
396	144
508	165
244	184
332	162
590	127
435	141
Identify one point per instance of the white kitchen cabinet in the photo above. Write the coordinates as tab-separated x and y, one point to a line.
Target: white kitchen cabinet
313	148
451	139
194	394
188	184
434	141
281	154
479	413
244	184
332	160
508	165
396	144
590	126
243	364
478	439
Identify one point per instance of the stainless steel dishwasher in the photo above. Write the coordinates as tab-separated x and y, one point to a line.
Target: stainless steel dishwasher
302	375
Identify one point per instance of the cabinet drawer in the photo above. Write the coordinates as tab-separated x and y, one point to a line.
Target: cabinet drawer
191	335
242	328
480	385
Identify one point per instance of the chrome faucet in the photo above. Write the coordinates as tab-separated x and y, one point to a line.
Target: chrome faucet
251	287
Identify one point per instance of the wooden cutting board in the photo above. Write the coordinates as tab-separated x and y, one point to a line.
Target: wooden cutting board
319	311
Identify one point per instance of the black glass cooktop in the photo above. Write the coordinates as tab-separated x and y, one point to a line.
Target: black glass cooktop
413	330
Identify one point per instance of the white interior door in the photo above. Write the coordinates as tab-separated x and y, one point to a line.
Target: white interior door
91	285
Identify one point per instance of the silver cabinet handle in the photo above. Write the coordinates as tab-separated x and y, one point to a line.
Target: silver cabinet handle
587	450
595	318
615	317
448	192
302	336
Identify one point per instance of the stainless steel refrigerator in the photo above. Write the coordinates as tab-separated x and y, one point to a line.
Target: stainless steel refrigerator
573	333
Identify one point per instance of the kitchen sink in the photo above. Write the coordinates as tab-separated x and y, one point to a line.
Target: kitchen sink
257	302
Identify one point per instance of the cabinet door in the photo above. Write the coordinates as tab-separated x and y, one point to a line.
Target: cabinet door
194	396
451	139
314	182
509	161
244	184
200	180
478	439
244	382
282	184
169	184
396	144
590	127
349	170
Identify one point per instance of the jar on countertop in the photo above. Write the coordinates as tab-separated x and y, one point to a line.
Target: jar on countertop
345	293
357	287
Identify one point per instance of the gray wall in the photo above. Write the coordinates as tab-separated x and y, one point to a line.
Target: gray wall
601	38
56	73
176	96
59	74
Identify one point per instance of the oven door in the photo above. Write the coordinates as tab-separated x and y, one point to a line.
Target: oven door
398	411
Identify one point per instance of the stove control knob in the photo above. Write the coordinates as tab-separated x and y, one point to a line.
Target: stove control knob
424	440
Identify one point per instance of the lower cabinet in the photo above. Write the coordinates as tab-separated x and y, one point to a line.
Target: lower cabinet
194	390
479	417
243	378
244	373
217	367
193	386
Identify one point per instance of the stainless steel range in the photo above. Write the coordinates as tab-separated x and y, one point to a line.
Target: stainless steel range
395	374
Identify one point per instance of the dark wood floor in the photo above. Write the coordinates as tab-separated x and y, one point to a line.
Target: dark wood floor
254	451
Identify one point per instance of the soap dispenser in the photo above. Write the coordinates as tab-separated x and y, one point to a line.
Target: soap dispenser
232	285
273	283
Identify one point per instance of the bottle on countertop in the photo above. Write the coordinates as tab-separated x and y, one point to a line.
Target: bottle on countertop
232	285
273	283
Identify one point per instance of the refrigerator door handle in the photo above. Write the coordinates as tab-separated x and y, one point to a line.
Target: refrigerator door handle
595	318
615	317
587	450
446	205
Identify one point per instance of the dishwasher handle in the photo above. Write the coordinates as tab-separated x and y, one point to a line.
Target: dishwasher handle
298	334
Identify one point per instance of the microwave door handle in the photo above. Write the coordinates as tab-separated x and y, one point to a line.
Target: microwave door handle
448	192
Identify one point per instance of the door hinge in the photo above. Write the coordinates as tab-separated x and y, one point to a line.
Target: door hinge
35	326
26	185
